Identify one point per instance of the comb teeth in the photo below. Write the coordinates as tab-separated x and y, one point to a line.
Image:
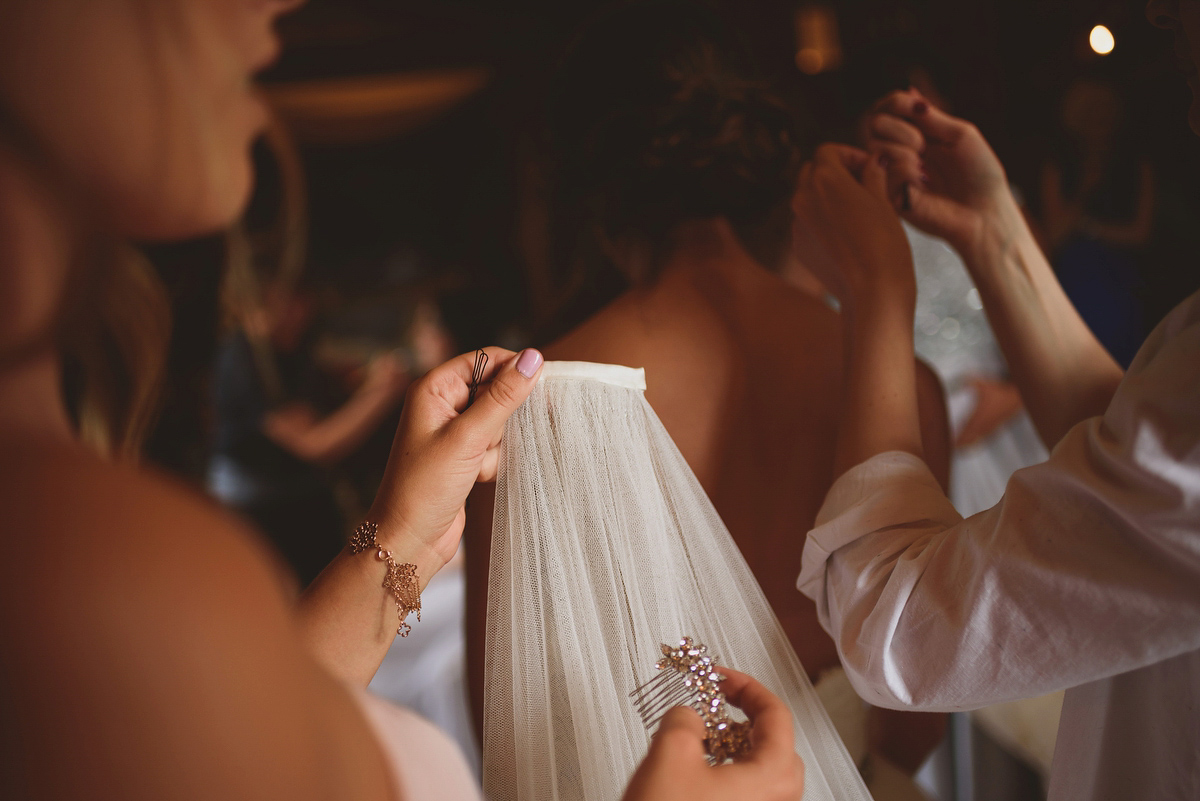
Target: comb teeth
687	676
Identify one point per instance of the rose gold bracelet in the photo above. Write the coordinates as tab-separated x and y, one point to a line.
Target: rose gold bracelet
400	581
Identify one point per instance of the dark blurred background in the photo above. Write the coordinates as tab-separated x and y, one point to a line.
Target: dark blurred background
413	126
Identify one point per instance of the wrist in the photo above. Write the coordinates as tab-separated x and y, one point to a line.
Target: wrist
407	546
1001	230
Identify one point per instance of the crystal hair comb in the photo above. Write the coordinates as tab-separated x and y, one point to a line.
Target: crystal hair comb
687	676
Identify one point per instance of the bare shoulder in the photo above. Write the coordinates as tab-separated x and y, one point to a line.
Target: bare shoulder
73	521
147	634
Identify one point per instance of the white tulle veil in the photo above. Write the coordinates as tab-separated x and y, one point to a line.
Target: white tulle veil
604	546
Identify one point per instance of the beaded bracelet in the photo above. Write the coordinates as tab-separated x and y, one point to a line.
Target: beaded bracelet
400	581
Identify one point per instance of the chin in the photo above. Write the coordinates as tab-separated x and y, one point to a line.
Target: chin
208	210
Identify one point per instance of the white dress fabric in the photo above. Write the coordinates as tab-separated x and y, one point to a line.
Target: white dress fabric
426	671
1085	577
604	546
425	764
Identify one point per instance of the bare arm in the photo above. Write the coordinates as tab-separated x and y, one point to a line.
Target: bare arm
1063	373
348	620
842	200
887	404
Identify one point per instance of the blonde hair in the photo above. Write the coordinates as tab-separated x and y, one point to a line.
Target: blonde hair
120	353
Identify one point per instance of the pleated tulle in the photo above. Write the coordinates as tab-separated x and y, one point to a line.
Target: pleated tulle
604	545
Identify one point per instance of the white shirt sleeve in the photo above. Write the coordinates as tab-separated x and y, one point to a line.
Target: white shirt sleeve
1089	567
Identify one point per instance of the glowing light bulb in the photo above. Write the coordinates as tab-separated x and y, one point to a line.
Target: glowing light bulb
1101	40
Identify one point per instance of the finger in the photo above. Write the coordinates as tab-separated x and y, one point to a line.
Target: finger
680	735
890	128
903	164
903	167
490	466
875	179
929	120
496	402
774	736
452	380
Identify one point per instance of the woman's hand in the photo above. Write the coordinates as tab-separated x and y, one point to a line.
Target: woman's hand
442	448
942	174
675	767
847	232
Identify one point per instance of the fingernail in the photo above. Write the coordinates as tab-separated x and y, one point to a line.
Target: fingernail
884	161
905	198
920	107
924	178
529	361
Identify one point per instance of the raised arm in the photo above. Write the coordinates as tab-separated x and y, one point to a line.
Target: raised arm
947	181
348	619
842	203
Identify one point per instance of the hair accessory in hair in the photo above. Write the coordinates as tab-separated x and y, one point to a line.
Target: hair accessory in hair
687	676
481	360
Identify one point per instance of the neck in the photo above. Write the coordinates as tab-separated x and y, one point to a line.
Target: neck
709	257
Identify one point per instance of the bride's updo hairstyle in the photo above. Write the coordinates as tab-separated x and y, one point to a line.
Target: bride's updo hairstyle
656	118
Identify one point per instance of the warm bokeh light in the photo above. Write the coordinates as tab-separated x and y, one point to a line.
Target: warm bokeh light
1101	40
818	43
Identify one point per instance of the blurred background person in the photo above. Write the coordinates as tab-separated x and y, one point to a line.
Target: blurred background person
1098	196
280	430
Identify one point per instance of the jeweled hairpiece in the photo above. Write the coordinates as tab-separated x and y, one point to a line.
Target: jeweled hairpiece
687	676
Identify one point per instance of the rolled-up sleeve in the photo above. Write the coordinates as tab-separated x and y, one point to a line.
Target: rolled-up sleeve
1088	568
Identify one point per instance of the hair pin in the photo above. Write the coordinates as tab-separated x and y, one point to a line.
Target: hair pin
687	676
481	360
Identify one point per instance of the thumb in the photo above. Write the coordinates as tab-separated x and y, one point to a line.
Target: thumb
933	122
680	735
502	396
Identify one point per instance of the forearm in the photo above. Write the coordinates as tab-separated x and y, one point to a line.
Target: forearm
347	619
880	401
1062	371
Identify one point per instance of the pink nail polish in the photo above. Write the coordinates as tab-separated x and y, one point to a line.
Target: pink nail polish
884	161
529	361
920	107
